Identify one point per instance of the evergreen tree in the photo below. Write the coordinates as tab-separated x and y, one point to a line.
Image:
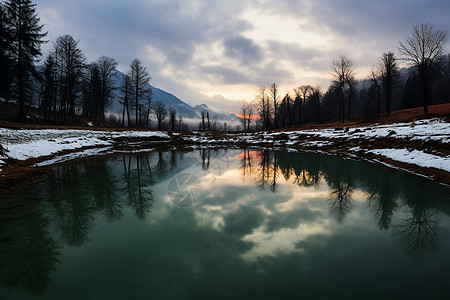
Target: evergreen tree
92	96
49	74
24	47
5	64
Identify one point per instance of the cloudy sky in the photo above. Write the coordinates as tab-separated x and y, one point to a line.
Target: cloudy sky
220	52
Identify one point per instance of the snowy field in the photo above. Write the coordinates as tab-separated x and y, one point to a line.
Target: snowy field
24	144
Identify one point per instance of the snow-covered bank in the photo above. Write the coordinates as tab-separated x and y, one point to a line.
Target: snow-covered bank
424	143
415	157
397	142
25	144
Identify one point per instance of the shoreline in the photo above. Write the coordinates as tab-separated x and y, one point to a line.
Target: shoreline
421	148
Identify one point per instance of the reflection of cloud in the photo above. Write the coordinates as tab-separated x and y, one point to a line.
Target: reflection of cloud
282	241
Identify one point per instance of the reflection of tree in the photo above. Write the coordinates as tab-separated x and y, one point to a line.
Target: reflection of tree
103	190
271	164
340	204
306	179
246	164
266	172
161	165
206	155
139	185
28	257
382	201
273	183
72	204
419	233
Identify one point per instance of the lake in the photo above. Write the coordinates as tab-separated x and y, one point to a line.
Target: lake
225	224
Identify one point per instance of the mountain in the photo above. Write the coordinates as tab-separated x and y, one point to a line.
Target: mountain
219	115
184	109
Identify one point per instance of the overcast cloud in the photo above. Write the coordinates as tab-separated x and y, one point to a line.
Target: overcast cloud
220	52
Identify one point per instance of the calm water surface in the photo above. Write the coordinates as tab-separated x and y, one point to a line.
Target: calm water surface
225	225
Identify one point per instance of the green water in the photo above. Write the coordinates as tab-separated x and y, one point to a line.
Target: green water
225	225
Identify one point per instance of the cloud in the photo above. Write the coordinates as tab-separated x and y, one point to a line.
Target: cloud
243	49
193	47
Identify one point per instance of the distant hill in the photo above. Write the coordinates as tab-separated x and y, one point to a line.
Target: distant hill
184	109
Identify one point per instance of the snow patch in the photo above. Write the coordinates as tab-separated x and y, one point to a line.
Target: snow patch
416	157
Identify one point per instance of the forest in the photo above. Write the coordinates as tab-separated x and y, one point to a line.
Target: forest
62	87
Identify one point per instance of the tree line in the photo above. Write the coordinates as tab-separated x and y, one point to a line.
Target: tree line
69	90
425	80
66	88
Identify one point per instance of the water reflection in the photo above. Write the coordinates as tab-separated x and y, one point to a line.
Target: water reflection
385	192
28	253
272	208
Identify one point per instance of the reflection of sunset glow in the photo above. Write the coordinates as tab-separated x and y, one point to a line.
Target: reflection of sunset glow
251	154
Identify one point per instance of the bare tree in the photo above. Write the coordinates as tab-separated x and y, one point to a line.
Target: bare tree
244	115
127	90
141	90
343	71
173	118
389	77
273	91
107	68
263	108
375	79
180	123
422	48
250	113
71	65
203	120
160	112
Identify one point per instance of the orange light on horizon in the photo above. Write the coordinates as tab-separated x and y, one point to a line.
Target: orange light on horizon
253	118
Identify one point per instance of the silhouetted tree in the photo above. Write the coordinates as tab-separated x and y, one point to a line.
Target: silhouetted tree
316	98
375	80
263	108
244	113
173	118
92	95
203	120
71	65
5	63
127	90
48	104
274	91
160	112
107	71
389	77
24	46
422	48
342	70
141	90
